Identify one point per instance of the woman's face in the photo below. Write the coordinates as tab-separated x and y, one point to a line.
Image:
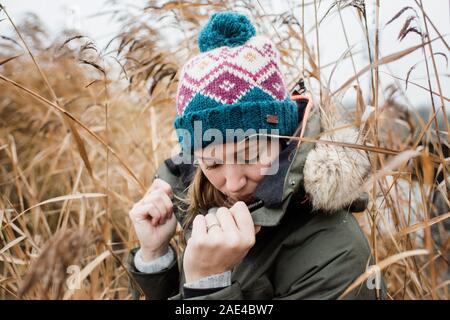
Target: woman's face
236	168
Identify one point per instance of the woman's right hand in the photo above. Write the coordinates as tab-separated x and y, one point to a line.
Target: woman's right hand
154	221
218	242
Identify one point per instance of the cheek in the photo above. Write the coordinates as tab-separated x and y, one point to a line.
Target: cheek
269	155
216	177
258	170
254	172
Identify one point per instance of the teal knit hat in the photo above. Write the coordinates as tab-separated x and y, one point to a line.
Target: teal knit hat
234	83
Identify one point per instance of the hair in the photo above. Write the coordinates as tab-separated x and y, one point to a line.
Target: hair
201	195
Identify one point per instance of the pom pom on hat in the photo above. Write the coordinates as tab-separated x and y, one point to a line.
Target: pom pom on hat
225	29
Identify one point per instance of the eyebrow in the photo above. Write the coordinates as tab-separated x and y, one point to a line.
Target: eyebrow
234	153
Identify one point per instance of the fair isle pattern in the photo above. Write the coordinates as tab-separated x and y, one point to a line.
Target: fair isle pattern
226	74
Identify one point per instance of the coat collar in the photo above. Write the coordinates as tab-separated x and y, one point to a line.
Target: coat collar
278	190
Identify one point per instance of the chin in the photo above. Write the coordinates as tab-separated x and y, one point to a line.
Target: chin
248	199
244	199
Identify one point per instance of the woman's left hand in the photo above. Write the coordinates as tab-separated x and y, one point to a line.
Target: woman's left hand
218	242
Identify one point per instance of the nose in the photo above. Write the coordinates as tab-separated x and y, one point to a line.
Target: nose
235	178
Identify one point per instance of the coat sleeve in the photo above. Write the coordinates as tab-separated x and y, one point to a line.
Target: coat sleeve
325	263
155	286
232	292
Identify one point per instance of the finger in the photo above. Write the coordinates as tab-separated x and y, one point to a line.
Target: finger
161	201
144	212
154	213
199	227
163	185
211	220
160	206
242	217
167	203
226	220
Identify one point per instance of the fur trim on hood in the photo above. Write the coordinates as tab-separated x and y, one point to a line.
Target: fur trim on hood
334	175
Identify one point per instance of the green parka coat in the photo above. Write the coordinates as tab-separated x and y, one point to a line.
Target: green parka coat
310	245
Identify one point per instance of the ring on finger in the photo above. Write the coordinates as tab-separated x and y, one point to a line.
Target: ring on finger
212	225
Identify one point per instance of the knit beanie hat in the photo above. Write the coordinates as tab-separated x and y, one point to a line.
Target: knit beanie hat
234	83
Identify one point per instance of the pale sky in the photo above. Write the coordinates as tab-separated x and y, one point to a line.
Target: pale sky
83	15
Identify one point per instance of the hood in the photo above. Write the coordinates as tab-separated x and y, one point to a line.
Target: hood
333	176
325	177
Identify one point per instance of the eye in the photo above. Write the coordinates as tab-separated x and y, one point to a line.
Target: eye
255	158
212	165
249	159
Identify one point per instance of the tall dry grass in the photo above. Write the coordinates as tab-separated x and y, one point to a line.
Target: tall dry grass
83	130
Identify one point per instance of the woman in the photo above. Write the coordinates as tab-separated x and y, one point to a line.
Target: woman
262	218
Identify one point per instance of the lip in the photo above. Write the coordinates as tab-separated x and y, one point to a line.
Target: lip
241	197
